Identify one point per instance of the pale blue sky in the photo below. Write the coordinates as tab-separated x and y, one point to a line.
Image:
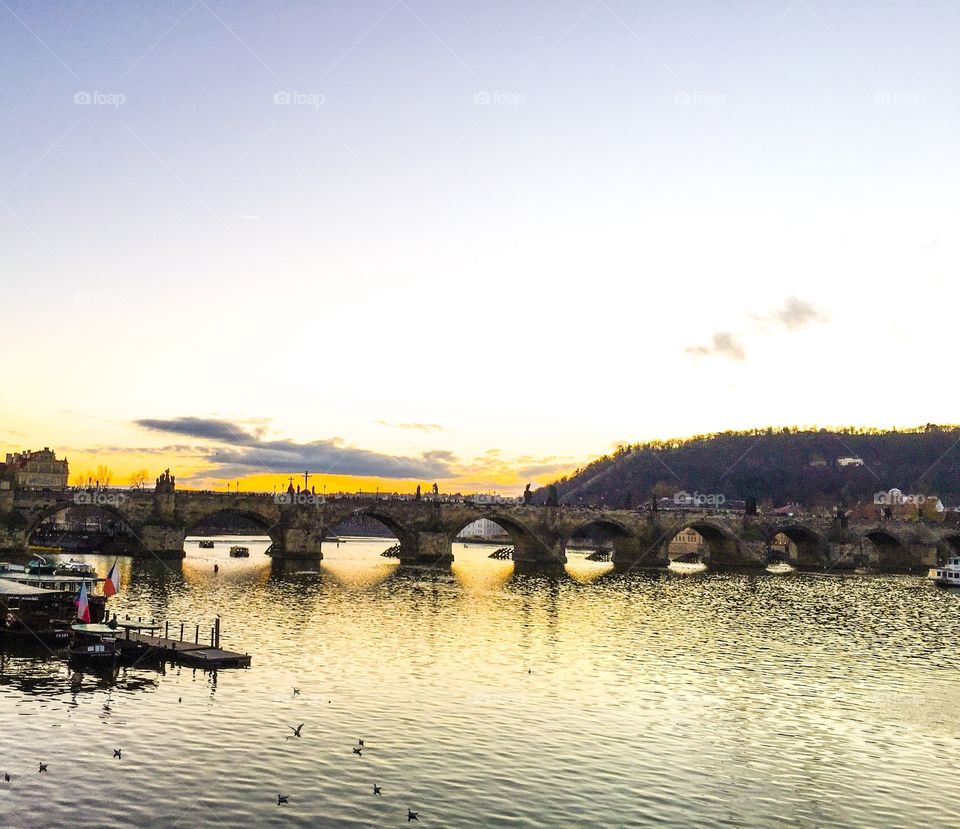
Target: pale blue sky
530	224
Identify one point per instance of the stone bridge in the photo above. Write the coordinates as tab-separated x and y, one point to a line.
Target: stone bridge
156	523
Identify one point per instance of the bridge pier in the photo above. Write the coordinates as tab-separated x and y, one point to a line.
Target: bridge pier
426	549
300	542
161	541
630	552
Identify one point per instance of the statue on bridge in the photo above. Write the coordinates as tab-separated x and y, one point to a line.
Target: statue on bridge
166	482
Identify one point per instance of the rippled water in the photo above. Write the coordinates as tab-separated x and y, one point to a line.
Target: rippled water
491	699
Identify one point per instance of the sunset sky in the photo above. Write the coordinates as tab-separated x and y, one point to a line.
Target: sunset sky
403	241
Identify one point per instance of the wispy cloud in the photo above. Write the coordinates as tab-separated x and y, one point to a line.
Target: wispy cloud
795	314
416	427
722	344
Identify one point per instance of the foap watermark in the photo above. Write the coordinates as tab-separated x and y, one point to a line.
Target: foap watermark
699	499
686	97
498	98
898	99
99	299
84	97
895	496
284	97
99	499
301	499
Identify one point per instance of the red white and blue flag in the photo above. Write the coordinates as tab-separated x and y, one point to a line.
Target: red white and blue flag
112	585
83	606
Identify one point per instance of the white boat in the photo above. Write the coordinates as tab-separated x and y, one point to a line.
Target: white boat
948	575
781	568
687	568
76	568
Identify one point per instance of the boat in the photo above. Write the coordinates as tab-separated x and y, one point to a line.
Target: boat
35	614
39	566
238	551
206	544
780	568
63	584
75	568
948	575
687	568
94	644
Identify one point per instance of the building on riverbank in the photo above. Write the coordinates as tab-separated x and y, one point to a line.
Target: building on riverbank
38	469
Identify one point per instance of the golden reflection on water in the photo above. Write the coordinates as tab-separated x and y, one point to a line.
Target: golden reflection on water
646	698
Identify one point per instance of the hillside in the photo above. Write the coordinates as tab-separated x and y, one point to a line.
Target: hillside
774	466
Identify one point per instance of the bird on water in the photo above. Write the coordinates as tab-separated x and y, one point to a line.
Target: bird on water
296	692
43	767
117	753
282	798
412	816
376	789
7	778
296	731
357	751
360	743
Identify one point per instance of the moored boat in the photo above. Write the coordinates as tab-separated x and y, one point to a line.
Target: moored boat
75	568
687	568
238	551
780	568
205	544
64	584
94	644
948	575
34	614
39	566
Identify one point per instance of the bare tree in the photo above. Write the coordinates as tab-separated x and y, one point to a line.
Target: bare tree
139	479
103	475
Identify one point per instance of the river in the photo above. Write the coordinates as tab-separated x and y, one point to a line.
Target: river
486	698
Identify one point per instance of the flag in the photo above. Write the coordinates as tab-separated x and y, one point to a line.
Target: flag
112	585
83	606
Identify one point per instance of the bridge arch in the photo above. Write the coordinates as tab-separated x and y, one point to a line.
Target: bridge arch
949	545
886	549
122	536
403	534
267	524
720	544
805	547
527	546
611	535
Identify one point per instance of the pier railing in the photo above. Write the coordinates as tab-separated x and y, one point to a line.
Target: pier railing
173	630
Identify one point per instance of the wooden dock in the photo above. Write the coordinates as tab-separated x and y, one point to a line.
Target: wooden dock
194	654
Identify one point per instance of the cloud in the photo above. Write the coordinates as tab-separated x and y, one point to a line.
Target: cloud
198	427
722	344
796	313
417	427
240	451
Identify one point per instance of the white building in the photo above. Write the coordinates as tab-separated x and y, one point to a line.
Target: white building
482	528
